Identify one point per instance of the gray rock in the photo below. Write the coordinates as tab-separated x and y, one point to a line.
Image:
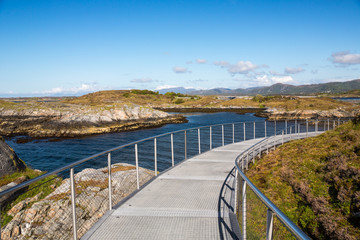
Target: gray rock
9	161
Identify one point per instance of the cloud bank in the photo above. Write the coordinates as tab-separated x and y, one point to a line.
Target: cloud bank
345	58
289	70
181	70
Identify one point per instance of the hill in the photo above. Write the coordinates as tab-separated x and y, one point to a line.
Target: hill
287	89
316	182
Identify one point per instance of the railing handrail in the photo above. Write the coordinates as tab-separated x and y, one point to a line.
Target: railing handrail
71	165
292	227
271	207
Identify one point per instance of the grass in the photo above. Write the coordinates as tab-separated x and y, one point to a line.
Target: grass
316	182
28	173
40	189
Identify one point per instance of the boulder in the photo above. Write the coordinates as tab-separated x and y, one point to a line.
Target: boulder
9	161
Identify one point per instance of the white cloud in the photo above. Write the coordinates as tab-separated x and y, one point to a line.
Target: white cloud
275	73
181	70
142	80
221	63
165	87
265	80
84	88
201	60
289	70
283	79
172	86
241	67
345	58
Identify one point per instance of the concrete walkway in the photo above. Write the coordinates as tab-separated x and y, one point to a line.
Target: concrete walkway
193	200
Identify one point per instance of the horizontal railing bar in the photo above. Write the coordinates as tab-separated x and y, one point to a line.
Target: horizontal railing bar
282	217
295	230
71	165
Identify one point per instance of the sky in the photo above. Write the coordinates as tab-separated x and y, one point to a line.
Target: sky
68	47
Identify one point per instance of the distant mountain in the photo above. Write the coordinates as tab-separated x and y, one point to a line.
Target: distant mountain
181	90
279	88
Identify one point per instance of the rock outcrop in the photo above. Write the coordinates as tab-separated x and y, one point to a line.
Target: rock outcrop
51	217
278	114
70	120
9	161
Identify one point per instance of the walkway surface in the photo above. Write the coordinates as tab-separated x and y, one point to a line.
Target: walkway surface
193	200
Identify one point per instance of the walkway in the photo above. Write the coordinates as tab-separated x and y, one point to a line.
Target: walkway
193	200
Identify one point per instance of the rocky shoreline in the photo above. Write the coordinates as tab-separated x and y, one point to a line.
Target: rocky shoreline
76	121
275	114
50	216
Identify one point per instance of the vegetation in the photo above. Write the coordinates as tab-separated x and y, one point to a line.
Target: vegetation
316	182
36	191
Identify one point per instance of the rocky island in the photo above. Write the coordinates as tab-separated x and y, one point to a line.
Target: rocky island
126	110
39	119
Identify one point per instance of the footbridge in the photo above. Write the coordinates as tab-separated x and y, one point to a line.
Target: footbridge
199	189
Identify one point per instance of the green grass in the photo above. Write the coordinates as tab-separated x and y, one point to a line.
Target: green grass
316	182
41	189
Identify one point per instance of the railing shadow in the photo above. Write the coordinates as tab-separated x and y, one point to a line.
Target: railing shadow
227	219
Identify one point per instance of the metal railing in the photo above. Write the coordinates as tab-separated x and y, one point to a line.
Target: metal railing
90	187
296	131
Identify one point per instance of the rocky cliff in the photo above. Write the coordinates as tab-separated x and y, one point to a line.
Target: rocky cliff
71	120
50	217
9	161
279	114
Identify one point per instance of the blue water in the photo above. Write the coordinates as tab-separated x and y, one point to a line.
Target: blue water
46	155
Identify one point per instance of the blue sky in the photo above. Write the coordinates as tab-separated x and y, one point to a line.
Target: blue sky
52	47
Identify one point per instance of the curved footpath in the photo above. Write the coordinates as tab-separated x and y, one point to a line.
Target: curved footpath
193	200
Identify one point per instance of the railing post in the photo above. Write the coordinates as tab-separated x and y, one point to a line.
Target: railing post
222	134
333	124
73	202
267	146
299	131
290	133
286	127
269	224
244	132
338	121
185	146
172	149
137	167
236	210
328	124
316	125
247	160
155	156
253	156
307	127
265	129
274	144
260	151
210	137
324	125
254	131
295	125
109	179
199	141
282	137
275	127
244	210
233	132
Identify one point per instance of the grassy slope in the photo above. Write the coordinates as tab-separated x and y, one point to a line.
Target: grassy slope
131	96
316	182
149	98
